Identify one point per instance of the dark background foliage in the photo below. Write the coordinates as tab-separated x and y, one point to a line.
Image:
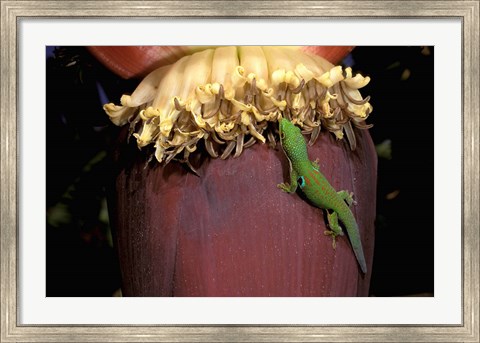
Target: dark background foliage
81	260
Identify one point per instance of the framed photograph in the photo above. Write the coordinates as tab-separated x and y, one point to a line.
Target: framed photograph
97	247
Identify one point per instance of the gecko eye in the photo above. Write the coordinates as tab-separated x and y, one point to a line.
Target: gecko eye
282	135
301	181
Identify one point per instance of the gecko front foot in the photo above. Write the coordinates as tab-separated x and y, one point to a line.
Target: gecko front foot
316	164
284	187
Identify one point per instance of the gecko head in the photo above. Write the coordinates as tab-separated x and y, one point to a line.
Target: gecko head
290	135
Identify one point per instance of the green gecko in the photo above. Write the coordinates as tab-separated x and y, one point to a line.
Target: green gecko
306	175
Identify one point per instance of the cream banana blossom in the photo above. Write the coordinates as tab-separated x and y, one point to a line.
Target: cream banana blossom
231	97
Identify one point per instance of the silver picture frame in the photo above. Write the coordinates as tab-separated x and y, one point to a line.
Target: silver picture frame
13	11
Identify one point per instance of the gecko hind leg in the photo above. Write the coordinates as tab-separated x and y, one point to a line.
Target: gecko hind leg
347	196
335	229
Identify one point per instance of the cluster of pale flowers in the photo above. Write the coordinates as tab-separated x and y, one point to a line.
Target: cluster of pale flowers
232	97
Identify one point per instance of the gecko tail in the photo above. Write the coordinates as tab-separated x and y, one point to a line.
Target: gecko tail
355	241
361	260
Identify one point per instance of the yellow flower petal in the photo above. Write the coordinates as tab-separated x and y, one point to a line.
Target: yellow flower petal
227	94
